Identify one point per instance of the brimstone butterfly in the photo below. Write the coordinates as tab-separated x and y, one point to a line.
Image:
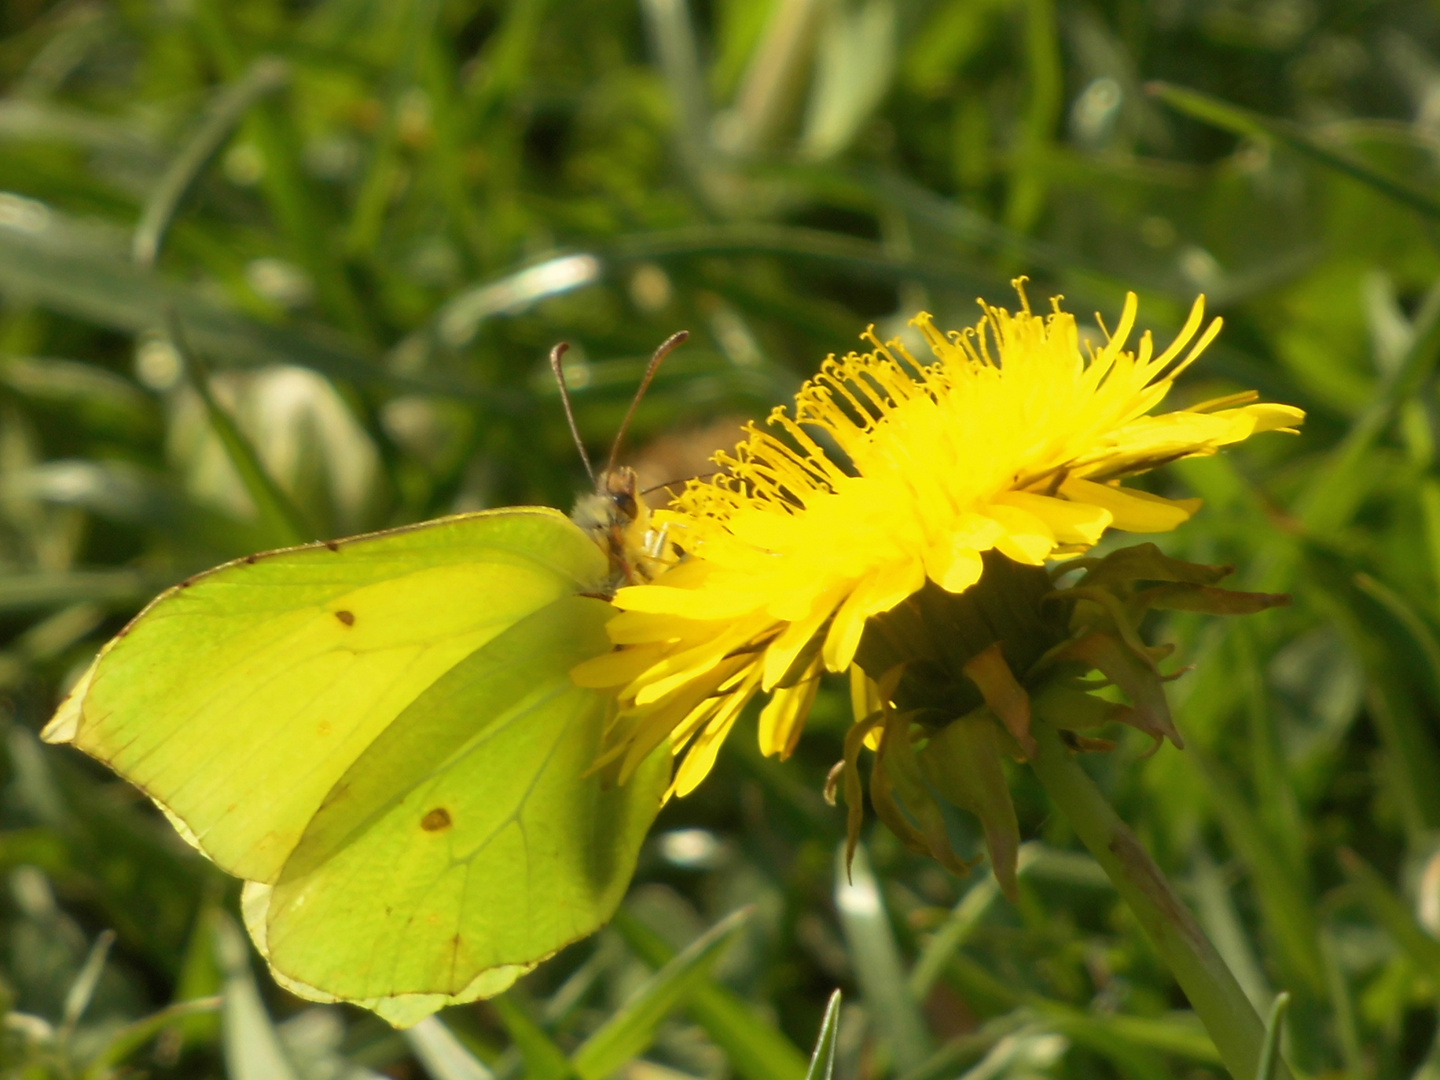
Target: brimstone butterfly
381	736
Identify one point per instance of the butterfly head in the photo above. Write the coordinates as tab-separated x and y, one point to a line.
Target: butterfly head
617	518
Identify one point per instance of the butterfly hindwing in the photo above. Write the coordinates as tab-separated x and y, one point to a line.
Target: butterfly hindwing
452	848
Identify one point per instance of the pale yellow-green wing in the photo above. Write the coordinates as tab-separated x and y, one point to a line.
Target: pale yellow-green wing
471	837
237	699
381	734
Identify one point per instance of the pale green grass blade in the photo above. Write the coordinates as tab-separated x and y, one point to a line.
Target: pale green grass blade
278	513
543	1059
876	958
1392	913
49	259
264	76
1270	1048
443	1055
131	1038
252	1045
82	990
756	1050
630	1030
822	1058
1240	121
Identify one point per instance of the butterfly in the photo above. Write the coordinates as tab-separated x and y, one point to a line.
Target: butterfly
381	737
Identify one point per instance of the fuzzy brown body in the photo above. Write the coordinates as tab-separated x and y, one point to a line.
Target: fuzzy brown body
616	517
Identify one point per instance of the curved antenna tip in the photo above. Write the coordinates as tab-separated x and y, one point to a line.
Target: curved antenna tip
556	355
667	346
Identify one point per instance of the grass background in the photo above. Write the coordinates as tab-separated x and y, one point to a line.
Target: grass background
374	217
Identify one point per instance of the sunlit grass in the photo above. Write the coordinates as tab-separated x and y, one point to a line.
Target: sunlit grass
371	222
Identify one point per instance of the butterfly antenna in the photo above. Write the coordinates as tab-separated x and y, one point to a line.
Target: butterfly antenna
682	480
669	345
555	356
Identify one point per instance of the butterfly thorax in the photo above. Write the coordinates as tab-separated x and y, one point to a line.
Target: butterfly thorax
616	517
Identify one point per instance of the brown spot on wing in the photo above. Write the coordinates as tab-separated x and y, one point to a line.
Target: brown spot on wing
251	560
436	820
332	545
346	617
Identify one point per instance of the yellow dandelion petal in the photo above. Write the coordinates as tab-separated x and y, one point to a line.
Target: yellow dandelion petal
787	647
700	756
1071	522
783	717
619	667
884	588
954	564
1131	510
1013	439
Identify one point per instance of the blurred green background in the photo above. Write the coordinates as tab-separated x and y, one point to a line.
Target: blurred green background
372	218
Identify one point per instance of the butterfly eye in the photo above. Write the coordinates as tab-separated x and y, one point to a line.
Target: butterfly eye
625	503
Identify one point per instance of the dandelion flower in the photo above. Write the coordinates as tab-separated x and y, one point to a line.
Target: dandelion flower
890	473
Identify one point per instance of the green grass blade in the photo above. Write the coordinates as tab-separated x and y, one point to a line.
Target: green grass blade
82	990
967	915
251	1044
1335	488
266	75
298	212
1397	705
865	259
754	1048
822	1058
1046	89
443	1055
132	1037
543	1059
630	1030
56	588
1392	913
277	511
59	265
1270	1048
876	959
1233	118
1412	624
1279	890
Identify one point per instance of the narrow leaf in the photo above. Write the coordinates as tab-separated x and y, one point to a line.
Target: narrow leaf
132	1037
876	958
251	1043
442	1054
822	1058
630	1030
77	998
754	1048
276	510
1222	114
543	1059
265	75
1270	1048
1392	912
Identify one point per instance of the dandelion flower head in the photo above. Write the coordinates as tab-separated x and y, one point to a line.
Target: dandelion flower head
889	472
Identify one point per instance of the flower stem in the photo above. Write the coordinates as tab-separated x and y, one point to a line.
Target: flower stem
1216	997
